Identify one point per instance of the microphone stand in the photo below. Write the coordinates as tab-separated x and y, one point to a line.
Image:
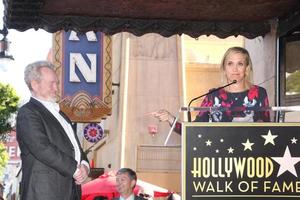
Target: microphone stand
211	91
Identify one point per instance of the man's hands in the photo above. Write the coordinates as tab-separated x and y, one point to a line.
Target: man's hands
81	174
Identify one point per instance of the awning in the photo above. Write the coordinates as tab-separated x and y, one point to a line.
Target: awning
222	18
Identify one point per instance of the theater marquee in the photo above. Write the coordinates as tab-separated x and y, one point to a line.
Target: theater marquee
241	161
83	63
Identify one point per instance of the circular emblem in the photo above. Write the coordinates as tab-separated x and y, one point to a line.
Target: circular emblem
93	132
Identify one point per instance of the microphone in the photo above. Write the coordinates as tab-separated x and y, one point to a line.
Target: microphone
211	91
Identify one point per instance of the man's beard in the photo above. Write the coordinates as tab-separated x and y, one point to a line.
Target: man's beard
53	99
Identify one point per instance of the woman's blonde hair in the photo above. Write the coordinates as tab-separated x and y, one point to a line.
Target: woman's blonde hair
249	69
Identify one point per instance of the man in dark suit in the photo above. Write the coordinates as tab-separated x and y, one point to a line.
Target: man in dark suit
126	180
53	163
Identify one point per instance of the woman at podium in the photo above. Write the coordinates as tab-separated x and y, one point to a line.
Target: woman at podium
240	101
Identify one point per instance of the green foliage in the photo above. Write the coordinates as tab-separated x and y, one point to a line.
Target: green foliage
293	83
3	158
8	107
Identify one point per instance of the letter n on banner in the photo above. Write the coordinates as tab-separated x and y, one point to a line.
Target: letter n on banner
83	63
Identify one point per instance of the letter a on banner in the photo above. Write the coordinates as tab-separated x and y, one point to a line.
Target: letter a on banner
83	63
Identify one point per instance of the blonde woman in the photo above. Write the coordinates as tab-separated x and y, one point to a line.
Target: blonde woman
239	102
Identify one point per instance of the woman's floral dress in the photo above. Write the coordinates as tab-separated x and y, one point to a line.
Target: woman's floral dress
247	106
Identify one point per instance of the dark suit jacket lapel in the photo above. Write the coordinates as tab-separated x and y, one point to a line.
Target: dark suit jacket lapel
42	108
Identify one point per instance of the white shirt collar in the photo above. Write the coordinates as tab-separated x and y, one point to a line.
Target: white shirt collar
48	103
131	197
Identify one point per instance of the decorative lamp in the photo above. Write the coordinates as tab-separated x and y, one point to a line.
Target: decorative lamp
4	45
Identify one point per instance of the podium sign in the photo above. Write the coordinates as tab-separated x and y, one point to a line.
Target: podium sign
241	161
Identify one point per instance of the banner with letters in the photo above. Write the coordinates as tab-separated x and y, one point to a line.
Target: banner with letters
241	161
83	63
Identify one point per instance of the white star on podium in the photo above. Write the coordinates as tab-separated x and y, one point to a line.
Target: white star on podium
269	138
208	143
294	140
248	145
230	150
287	163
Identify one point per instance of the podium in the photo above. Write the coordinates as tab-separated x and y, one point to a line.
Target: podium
277	111
241	161
278	114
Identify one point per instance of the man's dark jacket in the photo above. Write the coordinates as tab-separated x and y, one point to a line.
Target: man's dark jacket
48	158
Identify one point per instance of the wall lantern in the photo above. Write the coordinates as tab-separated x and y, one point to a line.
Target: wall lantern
4	45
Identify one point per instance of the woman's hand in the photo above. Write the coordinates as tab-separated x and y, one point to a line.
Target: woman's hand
163	116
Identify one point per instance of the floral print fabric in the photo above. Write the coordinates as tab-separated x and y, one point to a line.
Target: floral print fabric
247	106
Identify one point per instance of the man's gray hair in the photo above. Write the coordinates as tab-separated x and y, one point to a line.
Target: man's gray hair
32	71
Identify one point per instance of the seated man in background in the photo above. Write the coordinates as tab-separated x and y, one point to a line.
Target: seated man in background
126	180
